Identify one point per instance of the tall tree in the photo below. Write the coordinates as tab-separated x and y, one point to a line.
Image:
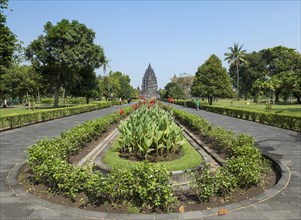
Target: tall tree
110	86
282	62
254	68
8	44
236	56
20	81
63	51
173	90
212	81
119	85
296	90
85	84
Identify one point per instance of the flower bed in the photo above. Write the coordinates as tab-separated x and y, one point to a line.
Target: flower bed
145	187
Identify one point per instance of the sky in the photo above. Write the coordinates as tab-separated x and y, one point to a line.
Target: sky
173	36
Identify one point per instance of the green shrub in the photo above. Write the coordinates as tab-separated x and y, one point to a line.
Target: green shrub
225	182
245	167
144	186
203	183
246	170
48	158
18	120
152	187
47	101
118	186
274	119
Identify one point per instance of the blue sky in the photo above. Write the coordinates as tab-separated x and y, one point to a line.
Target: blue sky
174	36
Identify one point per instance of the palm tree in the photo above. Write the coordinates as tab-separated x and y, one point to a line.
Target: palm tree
236	56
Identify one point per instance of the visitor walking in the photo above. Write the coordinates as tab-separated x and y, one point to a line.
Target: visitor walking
197	104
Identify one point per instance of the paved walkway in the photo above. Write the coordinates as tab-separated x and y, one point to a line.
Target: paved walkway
282	202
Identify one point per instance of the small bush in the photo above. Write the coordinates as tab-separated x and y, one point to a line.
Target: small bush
203	183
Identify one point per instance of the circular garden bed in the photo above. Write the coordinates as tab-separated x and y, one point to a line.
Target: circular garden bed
50	174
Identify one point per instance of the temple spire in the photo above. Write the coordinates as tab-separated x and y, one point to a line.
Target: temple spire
149	83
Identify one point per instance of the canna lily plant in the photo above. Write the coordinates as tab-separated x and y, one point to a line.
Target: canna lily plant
150	131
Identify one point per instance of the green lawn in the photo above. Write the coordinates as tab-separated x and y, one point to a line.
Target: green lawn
189	160
19	109
288	109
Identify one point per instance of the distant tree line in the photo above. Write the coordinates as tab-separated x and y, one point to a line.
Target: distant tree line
64	58
273	73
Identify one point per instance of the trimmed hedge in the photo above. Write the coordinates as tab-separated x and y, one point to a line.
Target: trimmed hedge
277	120
48	158
244	167
145	186
19	120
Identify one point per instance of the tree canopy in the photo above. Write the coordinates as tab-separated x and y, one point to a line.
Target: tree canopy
211	80
173	90
8	45
117	85
184	81
63	52
272	72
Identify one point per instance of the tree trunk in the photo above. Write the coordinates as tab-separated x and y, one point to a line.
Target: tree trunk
237	89
210	100
298	99
276	97
87	100
56	91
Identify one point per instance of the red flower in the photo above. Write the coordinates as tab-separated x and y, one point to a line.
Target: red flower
152	102
121	111
170	100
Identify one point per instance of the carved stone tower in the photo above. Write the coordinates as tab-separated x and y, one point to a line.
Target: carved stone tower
149	83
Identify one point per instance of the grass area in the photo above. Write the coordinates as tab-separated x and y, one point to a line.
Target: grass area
21	109
288	109
190	159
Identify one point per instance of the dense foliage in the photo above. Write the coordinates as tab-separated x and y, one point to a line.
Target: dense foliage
8	45
19	81
272	73
145	186
173	90
244	168
211	80
66	53
184	81
117	84
150	131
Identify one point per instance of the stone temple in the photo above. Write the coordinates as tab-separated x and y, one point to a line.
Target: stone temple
149	83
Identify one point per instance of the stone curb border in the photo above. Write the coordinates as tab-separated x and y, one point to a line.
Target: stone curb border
283	182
